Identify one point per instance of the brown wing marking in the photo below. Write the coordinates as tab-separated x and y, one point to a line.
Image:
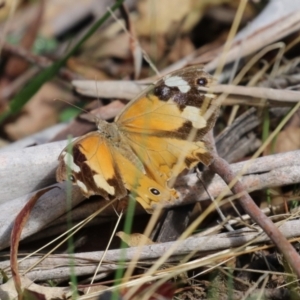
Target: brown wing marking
93	167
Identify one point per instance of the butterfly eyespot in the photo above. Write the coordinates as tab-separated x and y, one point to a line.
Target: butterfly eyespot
154	191
72	178
202	81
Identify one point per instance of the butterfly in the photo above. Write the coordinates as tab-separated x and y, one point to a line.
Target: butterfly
154	138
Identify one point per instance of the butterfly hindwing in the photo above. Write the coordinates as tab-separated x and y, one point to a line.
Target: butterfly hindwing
144	189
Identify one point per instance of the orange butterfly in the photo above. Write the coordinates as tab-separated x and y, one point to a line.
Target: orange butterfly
154	138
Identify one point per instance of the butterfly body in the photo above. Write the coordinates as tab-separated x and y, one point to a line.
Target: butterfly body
155	137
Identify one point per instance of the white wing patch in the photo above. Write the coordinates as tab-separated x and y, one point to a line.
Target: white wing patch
82	186
102	183
193	114
69	161
179	82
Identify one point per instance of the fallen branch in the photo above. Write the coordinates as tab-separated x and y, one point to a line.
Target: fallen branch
269	171
221	167
56	266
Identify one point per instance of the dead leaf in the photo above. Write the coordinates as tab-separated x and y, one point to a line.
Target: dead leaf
16	65
287	140
39	113
182	48
8	291
93	289
32	295
134	239
147	291
159	16
85	69
6	7
18	226
118	47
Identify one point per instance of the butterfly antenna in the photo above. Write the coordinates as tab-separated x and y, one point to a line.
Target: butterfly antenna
97	91
84	110
56	99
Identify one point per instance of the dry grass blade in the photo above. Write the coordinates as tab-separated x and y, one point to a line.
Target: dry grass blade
222	168
253	95
109	89
269	171
276	21
234	94
233	244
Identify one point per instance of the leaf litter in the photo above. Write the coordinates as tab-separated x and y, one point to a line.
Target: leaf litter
264	54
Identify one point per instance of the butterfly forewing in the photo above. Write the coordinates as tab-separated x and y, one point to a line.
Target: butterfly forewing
165	127
92	167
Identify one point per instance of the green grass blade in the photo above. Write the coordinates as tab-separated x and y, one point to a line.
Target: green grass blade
45	75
